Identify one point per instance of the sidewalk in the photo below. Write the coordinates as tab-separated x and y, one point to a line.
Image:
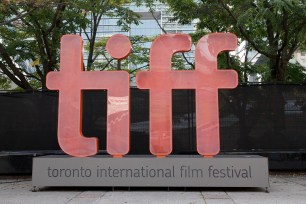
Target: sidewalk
284	188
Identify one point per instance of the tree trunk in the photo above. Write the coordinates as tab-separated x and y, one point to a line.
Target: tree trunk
90	54
282	69
278	68
273	66
245	73
43	83
119	65
15	74
283	64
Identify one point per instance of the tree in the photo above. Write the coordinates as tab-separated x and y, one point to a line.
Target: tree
274	28
30	39
180	60
137	60
30	34
93	11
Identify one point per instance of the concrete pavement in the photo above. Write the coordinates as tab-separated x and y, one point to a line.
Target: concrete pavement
284	188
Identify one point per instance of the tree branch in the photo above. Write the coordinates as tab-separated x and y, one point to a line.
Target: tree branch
19	16
108	63
156	20
286	34
31	75
11	76
60	8
38	71
85	32
134	70
5	56
22	19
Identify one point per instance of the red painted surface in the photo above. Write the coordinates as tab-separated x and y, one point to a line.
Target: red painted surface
119	46
205	79
71	80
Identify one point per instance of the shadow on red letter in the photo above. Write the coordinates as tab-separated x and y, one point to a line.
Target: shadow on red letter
72	79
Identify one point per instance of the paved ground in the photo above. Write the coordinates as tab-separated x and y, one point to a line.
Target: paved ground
285	188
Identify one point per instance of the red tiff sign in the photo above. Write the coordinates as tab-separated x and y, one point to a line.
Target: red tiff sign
206	79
